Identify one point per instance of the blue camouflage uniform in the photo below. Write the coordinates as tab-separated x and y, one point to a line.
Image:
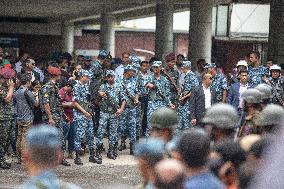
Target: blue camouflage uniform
84	125
143	98
49	95
256	74
108	108
136	64
158	97
128	117
190	81
219	84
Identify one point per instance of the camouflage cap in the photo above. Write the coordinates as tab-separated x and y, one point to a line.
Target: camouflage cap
210	65
103	54
186	63
129	68
135	60
164	118
87	58
83	72
157	63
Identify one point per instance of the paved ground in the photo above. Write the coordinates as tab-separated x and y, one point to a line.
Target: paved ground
119	173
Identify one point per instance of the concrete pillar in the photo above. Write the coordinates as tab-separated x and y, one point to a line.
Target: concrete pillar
200	30
164	29
276	32
107	33
68	37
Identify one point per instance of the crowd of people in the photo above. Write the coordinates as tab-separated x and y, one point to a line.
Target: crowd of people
188	129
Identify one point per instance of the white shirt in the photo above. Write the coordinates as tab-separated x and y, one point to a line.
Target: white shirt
36	69
181	78
18	67
207	94
119	71
243	88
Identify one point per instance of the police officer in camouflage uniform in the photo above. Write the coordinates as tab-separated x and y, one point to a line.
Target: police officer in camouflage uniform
190	81
136	63
98	69
276	81
6	112
142	78
50	103
82	117
111	107
172	72
128	117
257	73
219	84
159	92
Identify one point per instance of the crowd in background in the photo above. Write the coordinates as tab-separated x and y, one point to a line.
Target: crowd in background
202	129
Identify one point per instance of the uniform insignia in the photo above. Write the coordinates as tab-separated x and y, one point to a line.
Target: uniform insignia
46	95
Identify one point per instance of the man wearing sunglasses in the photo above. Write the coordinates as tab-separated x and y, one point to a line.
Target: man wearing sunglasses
201	99
29	69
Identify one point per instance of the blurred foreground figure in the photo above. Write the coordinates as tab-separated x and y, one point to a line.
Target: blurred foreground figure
42	153
271	173
169	174
148	154
193	149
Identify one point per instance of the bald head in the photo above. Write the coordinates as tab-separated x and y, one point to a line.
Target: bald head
170	173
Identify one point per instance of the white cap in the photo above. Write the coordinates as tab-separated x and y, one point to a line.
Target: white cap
275	67
242	63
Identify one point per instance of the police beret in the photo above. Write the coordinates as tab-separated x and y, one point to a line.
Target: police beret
53	70
170	57
7	73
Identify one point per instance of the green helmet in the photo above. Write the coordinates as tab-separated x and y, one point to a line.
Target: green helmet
252	96
265	91
272	114
221	115
164	118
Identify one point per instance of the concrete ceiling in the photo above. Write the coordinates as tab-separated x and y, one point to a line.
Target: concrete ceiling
85	11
